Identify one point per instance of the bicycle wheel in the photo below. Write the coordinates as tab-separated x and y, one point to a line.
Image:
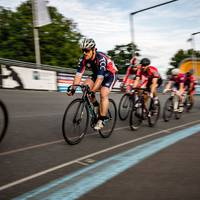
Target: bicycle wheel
154	113
168	109
136	116
188	104
75	121
124	107
107	130
3	120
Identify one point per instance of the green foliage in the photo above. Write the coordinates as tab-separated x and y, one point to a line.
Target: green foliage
122	55
59	41
181	55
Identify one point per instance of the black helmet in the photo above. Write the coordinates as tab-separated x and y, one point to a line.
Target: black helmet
145	62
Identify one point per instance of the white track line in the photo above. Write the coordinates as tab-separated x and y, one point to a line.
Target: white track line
3	187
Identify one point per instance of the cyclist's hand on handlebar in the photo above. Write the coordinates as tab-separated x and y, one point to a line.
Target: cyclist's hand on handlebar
91	94
165	91
70	91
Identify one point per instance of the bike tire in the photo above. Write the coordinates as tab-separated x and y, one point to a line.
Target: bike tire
168	109
76	114
136	116
107	130
3	120
154	113
124	107
188	105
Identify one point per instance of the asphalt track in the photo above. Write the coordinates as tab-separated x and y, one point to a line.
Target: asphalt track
152	163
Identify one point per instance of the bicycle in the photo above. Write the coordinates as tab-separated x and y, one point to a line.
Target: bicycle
78	113
3	120
188	104
140	112
172	106
125	105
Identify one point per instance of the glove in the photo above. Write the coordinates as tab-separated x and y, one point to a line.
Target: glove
151	95
70	91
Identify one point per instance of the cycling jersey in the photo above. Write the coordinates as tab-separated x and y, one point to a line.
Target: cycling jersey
150	73
180	78
190	82
130	74
99	66
147	76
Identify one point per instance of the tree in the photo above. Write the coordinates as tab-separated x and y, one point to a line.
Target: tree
59	41
121	55
181	55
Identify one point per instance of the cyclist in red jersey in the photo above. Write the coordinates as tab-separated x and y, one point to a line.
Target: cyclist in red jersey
190	83
150	77
130	75
102	78
177	81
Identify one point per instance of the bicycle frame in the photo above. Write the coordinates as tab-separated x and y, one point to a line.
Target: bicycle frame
87	102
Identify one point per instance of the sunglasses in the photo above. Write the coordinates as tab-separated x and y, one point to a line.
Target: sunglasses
86	50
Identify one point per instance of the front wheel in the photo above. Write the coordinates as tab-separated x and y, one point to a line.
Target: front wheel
109	126
124	106
154	112
3	120
136	116
75	121
168	109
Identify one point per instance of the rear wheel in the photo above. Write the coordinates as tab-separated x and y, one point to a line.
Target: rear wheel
75	121
109	126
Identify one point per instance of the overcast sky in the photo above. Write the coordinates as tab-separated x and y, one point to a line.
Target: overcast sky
159	33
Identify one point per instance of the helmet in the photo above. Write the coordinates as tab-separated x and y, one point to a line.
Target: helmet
145	62
175	71
88	43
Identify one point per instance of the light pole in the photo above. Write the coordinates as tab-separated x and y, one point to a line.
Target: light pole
192	39
138	11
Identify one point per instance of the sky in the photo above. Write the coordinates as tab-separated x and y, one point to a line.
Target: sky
159	33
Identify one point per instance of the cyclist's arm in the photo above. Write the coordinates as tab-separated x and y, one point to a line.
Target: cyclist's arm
168	86
154	85
136	82
77	79
181	88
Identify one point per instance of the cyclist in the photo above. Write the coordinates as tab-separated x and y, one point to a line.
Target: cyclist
150	77
177	80
190	83
102	78
130	75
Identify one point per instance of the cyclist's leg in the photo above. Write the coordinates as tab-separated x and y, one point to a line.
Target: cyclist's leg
90	82
129	85
105	89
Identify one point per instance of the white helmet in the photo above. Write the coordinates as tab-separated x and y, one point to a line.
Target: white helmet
175	71
88	43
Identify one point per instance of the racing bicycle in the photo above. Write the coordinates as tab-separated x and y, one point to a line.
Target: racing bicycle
172	106
141	111
81	113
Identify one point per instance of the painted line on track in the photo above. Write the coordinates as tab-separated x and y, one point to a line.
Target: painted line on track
76	184
6	186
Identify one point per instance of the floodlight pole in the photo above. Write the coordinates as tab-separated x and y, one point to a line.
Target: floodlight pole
138	11
193	47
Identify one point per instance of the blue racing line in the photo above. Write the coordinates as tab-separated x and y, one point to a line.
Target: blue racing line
76	184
